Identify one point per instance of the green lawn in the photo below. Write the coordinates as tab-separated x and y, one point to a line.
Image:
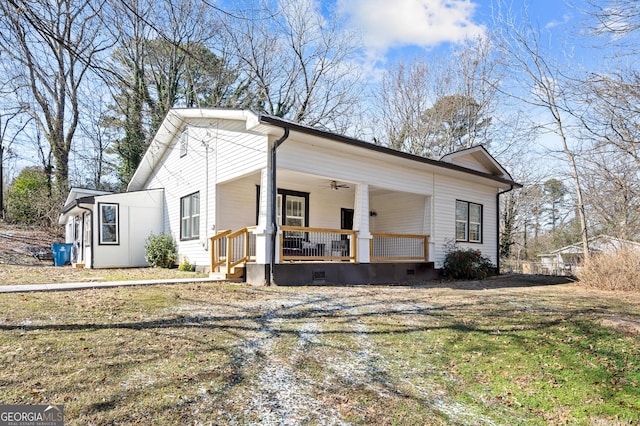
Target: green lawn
233	354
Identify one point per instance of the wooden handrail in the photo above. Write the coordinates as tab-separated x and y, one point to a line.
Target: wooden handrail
218	260
325	230
352	253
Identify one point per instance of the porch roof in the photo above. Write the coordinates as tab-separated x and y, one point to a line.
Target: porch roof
499	174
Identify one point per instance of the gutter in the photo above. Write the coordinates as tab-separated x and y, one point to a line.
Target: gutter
274	201
276	121
513	186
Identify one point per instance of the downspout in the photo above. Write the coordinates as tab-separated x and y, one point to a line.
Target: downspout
91	233
274	201
498	225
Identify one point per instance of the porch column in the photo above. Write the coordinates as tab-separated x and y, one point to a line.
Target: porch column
264	230
361	223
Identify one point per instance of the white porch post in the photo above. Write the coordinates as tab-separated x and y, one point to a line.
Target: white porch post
264	230
361	223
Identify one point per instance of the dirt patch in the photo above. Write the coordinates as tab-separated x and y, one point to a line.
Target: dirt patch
623	324
20	246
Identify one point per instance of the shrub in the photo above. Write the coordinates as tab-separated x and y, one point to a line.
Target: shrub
29	200
467	264
160	251
615	270
185	265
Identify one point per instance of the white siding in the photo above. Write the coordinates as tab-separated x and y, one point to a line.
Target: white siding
218	151
399	213
470	163
140	215
447	191
347	167
237	201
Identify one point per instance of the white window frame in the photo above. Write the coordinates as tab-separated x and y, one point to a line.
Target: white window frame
463	216
112	238
190	220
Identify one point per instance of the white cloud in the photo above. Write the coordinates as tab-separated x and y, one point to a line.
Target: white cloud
565	20
388	24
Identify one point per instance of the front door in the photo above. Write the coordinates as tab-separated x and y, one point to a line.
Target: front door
346	222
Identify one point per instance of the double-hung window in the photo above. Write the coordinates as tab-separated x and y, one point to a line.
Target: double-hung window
190	216
108	224
468	222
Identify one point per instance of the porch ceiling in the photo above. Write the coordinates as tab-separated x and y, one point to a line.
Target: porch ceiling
294	179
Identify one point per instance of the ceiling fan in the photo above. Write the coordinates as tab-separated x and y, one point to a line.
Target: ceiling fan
335	185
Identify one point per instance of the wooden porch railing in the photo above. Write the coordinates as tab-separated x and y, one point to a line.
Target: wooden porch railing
301	243
387	247
232	248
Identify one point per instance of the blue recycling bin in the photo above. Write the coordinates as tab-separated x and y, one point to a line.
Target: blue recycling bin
61	254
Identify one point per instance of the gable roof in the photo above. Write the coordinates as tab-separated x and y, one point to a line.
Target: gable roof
267	124
597	244
476	157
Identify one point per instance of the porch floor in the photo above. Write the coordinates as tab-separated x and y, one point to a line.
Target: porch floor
343	273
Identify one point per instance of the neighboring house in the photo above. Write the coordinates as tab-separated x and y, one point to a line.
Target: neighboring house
279	202
563	261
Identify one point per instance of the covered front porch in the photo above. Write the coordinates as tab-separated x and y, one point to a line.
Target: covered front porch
324	256
323	230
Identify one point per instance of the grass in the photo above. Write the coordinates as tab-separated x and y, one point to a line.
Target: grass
20	274
233	354
612	270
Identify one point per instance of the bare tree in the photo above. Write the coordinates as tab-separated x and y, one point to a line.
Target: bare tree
12	124
162	60
405	94
613	114
94	147
543	86
617	18
51	45
612	192
432	110
297	62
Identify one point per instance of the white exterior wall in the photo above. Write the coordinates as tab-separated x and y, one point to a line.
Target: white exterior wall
469	162
447	191
139	216
218	151
238	204
312	159
399	212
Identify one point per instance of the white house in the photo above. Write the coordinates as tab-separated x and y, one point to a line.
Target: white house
110	230
565	260
280	202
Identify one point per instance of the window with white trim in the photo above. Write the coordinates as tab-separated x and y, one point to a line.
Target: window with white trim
468	222
190	216
108	227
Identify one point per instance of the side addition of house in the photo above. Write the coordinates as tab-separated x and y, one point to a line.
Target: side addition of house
252	195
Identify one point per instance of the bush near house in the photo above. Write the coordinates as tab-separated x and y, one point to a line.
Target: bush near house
615	270
160	251
466	264
30	201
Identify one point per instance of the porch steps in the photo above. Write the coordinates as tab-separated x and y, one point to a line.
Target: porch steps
237	272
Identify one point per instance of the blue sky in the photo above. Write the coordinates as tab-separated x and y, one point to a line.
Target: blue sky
405	28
